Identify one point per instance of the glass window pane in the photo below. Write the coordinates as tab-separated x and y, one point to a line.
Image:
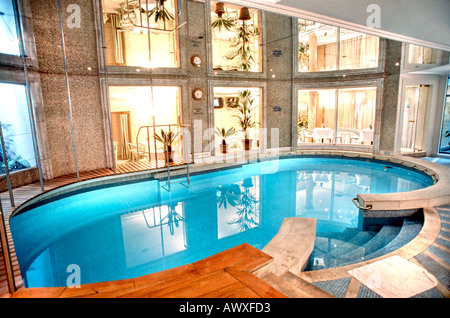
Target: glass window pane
126	34
229	113
356	115
15	123
421	55
235	42
317	46
445	136
317	113
131	109
9	43
358	50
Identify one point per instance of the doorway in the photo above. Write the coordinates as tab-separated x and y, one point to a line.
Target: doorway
415	105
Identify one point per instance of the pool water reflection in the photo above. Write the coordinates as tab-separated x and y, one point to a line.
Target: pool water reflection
134	229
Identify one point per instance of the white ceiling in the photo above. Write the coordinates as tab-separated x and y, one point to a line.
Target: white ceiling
421	22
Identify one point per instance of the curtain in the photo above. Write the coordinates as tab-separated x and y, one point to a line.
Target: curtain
124	135
117	37
356	109
359	52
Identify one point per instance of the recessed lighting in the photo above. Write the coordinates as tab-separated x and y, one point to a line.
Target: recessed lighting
273	76
89	68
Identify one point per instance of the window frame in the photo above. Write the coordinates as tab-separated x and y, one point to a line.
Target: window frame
181	69
378	83
209	50
297	74
441	127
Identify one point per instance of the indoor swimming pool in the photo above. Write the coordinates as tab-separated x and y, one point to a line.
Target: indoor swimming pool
128	229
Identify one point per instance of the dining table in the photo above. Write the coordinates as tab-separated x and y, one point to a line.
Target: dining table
323	133
366	135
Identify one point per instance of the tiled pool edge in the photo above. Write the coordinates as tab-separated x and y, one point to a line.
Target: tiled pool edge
442	175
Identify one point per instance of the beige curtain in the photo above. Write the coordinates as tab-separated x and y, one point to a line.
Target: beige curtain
359	52
356	109
117	37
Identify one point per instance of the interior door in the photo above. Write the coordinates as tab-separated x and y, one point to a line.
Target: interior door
416	100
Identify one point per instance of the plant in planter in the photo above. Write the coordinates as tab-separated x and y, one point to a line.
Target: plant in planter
244	105
243	50
161	13
222	21
302	123
224	134
167	139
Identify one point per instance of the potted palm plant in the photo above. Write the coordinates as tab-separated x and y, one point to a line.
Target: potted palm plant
244	105
167	139
243	51
224	134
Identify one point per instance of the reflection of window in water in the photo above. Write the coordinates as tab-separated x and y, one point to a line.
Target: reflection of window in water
327	195
238	207
152	234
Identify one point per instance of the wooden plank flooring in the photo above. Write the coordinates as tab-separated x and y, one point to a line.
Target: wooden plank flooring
27	192
224	275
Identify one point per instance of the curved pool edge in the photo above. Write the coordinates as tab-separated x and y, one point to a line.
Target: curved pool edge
421	242
435	195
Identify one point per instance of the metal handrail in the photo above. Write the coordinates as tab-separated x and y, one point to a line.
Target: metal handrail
154	139
355	201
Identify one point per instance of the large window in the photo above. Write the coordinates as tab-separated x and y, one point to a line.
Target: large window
421	55
15	124
126	33
9	43
444	147
133	113
336	116
235	38
238	109
324	47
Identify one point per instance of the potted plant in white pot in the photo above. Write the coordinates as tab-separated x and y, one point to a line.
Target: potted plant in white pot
244	106
224	134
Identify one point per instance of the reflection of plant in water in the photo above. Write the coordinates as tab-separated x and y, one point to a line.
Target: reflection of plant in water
171	219
15	162
243	200
228	194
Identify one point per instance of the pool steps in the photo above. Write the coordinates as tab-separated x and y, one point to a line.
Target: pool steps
354	246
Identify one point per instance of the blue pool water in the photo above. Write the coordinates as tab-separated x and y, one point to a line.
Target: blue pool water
134	229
